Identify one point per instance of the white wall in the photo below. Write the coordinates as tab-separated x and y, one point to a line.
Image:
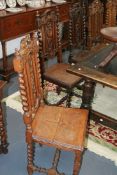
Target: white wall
11	45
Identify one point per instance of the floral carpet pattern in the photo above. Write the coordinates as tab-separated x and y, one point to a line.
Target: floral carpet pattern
103	135
101	139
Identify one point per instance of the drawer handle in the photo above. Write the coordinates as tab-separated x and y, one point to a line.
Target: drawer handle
101	120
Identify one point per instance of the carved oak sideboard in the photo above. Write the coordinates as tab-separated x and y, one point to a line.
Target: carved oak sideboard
13	25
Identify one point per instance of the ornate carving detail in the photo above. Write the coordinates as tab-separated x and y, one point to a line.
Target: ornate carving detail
95	7
26	63
48	35
111	12
76	14
95	22
48	32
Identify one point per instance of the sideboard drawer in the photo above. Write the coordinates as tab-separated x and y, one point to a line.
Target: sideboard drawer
17	25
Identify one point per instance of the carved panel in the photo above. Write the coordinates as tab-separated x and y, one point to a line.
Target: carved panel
95	22
77	25
48	33
26	63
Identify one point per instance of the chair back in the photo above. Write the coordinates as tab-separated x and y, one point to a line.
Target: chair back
95	22
49	36
47	24
26	64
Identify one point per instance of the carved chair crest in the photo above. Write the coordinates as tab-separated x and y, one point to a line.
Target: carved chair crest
26	64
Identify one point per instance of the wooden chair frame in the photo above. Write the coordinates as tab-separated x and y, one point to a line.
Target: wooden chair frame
50	46
42	120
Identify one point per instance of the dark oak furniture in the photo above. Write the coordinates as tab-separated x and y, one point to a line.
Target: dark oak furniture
13	25
51	48
78	23
59	127
92	74
111	13
95	22
88	17
3	134
100	13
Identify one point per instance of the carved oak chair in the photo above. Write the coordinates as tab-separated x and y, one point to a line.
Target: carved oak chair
95	22
51	47
92	22
59	127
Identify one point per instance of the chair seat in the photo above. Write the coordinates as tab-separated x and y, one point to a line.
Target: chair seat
61	127
110	33
58	75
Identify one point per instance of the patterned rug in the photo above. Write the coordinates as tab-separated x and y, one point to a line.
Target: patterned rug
101	139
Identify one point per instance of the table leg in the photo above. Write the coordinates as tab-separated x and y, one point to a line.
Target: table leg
6	69
88	94
4	56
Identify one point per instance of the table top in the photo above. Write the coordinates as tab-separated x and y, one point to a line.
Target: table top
94	74
25	9
91	69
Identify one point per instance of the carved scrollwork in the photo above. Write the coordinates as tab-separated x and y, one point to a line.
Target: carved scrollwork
48	32
26	63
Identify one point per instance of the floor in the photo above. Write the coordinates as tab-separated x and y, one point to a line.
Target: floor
14	163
